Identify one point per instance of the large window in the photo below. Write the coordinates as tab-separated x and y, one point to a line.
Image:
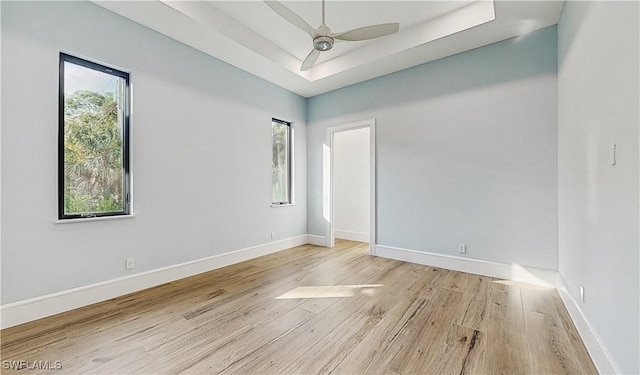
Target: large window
281	162
93	148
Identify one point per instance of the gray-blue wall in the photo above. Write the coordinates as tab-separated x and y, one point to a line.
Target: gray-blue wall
598	106
466	152
201	153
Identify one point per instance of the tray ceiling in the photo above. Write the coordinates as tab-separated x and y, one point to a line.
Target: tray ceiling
250	36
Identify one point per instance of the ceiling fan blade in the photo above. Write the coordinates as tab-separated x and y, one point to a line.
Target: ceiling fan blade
367	32
311	59
291	16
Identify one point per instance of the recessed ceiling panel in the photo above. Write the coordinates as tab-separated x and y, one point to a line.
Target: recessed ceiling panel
251	36
339	16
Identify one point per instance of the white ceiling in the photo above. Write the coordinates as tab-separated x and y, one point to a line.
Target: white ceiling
252	37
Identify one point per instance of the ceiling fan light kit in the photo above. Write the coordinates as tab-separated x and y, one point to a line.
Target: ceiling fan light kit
323	43
323	38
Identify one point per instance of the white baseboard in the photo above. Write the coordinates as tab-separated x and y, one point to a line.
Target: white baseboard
599	354
352	236
39	307
312	239
513	272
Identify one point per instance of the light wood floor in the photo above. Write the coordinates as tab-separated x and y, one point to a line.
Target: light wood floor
376	316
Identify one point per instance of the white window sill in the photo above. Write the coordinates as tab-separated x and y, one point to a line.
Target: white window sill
283	205
88	219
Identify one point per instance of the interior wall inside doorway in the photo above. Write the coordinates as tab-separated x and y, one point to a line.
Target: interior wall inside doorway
351	173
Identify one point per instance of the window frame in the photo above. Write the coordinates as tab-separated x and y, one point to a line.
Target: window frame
125	128
290	177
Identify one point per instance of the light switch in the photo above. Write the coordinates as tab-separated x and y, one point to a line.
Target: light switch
612	155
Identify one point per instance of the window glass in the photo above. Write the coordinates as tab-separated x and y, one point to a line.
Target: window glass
281	162
94	127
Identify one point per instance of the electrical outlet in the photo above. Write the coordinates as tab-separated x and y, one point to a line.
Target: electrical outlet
129	263
581	293
273	235
462	248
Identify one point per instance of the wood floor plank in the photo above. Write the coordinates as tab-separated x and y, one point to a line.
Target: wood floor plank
579	350
309	334
425	338
474	307
312	310
462	349
332	349
216	356
540	299
380	346
553	353
506	349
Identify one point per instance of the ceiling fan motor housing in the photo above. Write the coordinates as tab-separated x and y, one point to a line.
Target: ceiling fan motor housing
323	43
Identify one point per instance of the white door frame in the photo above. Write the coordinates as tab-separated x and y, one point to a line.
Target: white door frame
330	186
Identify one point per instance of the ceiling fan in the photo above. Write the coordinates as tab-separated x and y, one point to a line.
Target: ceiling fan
323	38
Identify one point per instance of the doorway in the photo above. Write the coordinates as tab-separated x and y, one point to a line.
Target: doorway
351	190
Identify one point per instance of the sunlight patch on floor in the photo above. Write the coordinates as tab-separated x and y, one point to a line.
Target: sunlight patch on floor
520	275
335	291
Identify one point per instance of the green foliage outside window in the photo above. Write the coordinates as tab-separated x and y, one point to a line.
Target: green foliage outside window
280	170
92	154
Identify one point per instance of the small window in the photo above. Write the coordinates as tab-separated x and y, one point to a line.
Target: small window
281	162
93	144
